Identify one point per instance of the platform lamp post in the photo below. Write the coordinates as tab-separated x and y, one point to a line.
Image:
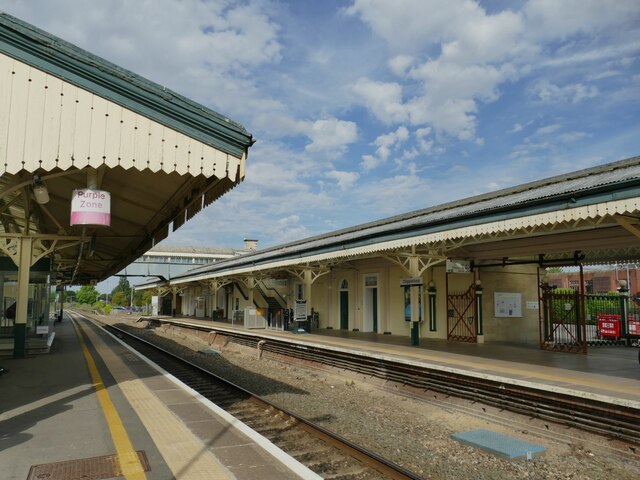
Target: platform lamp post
432	306
624	311
415	333
479	306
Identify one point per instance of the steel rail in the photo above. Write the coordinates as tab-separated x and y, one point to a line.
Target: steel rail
614	421
382	465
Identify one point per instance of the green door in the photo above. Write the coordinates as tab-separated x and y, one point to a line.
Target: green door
344	310
374	310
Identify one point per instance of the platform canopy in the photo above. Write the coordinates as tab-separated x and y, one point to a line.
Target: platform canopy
72	121
587	217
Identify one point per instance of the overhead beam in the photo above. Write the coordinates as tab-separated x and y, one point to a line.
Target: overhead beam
627	225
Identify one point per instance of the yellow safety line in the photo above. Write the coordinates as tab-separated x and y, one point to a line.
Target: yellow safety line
127	457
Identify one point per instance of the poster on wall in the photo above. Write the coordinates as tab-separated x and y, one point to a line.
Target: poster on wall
300	313
507	304
407	302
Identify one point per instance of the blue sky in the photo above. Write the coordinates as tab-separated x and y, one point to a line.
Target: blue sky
363	109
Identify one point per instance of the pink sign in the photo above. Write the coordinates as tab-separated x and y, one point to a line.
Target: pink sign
91	207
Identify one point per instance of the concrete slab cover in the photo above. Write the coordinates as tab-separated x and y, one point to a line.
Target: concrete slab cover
499	444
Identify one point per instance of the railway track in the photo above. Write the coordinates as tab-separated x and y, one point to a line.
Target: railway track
325	453
612	421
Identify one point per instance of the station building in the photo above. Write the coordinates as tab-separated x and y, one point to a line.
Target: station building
140	159
599	278
167	261
471	270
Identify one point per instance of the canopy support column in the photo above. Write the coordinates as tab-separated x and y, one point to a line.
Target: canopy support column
414	299
22	297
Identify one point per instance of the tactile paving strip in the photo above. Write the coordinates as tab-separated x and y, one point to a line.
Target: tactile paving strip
95	468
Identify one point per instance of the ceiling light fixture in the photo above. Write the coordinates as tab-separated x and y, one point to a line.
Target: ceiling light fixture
40	190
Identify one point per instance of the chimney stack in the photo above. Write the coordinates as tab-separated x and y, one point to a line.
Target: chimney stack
250	244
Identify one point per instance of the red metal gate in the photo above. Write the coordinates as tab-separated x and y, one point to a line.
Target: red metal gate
562	323
462	318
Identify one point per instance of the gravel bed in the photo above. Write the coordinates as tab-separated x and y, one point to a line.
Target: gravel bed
412	433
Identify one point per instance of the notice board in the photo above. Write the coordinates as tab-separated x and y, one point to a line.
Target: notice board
507	304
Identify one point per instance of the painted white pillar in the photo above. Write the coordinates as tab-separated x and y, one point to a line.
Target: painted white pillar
308	281
22	297
174	301
251	285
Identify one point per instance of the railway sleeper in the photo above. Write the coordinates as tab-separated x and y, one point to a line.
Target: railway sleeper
299	437
314	449
353	472
325	465
270	430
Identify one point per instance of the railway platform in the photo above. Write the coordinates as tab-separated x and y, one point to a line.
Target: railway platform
93	409
610	374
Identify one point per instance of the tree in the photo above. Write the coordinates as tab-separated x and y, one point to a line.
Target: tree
141	297
69	296
119	298
104	297
147	295
123	288
554	270
87	294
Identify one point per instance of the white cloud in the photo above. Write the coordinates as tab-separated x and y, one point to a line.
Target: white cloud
400	64
569	137
461	56
410	25
455	116
394	194
553	19
369	162
546	139
471	65
384	100
547	92
546	130
410	154
602	75
385	143
330	135
452	93
449	80
345	180
421	136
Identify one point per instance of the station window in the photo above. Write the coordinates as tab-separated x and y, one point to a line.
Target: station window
371	281
588	286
